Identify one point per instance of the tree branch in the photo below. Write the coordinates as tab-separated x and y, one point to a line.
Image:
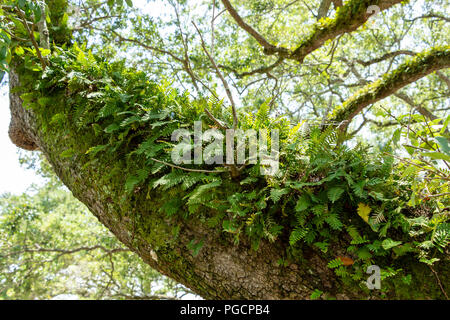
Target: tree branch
323	9
412	70
219	74
385	57
269	48
349	18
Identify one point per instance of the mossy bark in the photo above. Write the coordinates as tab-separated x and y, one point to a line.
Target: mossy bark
221	270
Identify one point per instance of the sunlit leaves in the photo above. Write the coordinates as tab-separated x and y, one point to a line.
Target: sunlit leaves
364	211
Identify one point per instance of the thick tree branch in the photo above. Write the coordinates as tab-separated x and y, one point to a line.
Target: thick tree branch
349	18
323	9
420	66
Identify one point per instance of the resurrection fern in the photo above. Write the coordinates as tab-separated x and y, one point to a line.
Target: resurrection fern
313	202
297	234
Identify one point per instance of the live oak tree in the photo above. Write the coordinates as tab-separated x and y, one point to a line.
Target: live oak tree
99	88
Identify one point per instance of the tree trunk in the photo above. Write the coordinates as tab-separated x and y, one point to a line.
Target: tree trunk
221	270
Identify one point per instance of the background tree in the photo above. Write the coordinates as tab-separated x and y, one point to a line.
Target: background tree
104	94
52	247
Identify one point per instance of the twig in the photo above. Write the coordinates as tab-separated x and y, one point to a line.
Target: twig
42	27
439	282
268	47
216	121
33	40
219	74
186	169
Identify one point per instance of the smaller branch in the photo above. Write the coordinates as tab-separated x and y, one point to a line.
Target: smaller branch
216	121
33	40
265	69
88	23
185	169
422	110
385	57
14	36
67	251
439	195
219	74
438	173
42	27
429	16
439	282
443	78
148	47
152	297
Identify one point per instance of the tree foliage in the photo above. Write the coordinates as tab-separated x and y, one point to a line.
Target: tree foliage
53	248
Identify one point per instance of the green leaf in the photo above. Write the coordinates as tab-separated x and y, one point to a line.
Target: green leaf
389	243
364	254
297	235
129	3
276	194
443	144
19	51
302	203
67	153
335	193
134	180
196	195
445	125
334	222
335	263
316	294
409	171
396	136
228	226
111	128
65	19
37	13
195	247
94	150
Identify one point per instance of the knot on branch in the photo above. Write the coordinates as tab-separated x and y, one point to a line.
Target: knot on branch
19	127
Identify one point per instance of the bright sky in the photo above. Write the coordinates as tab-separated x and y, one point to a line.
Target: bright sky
13	178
